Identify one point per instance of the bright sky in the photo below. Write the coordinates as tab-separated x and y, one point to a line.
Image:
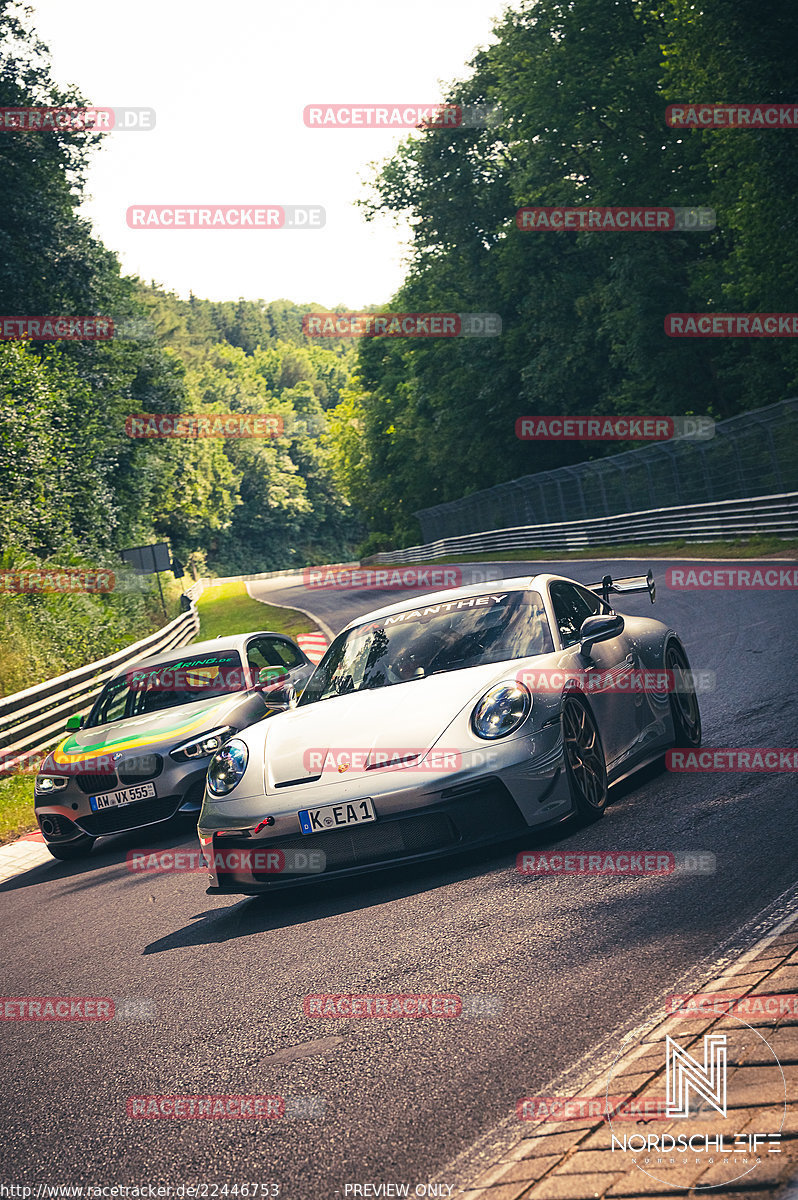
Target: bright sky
229	80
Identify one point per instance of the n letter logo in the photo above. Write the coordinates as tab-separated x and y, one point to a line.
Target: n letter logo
684	1073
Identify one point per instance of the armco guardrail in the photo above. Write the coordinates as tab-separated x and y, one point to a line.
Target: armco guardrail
33	720
201	584
752	454
776	515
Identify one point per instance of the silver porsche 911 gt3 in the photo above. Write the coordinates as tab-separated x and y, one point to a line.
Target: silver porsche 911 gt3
435	725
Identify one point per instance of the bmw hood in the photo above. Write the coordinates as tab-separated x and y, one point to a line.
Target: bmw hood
369	729
170	725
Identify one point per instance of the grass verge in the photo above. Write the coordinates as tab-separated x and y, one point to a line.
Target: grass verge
16	807
226	608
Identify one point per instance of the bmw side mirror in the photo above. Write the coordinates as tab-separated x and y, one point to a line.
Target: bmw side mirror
74	723
600	628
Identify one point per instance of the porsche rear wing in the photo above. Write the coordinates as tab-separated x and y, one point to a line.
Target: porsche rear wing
633	583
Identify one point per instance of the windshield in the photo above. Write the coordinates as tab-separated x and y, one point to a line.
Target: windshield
149	689
448	636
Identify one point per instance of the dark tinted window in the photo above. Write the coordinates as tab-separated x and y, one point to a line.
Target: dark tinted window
572	605
144	689
272	652
428	640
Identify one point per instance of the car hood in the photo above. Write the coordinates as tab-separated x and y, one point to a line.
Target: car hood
169	726
370	727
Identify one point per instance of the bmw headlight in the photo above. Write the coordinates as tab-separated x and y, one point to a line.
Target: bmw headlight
501	710
50	783
227	767
203	746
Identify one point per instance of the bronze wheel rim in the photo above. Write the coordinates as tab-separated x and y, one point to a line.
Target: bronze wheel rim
583	752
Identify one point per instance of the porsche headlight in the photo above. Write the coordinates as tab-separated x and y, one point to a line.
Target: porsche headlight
203	746
227	767
501	710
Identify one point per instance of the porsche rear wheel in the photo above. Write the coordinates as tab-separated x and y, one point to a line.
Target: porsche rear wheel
683	700
585	764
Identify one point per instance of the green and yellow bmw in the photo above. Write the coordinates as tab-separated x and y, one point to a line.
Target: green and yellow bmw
141	755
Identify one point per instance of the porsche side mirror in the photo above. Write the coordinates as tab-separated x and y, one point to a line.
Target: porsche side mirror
280	698
600	628
269	676
74	723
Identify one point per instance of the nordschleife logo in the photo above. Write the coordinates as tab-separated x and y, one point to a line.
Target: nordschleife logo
685	1074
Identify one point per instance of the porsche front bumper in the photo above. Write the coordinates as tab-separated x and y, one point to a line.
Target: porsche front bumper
516	786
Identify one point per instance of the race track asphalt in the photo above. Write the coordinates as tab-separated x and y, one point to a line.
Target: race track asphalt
571	959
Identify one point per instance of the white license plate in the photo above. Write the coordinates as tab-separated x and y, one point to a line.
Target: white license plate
336	816
143	791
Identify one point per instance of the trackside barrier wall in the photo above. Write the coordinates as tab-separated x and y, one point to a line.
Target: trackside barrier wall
774	515
752	454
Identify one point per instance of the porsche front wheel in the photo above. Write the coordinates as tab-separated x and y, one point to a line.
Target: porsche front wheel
585	764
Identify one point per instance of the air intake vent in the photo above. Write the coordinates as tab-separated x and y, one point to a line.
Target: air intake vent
91	784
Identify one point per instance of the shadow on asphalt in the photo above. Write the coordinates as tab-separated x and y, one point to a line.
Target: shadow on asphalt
109	851
333	897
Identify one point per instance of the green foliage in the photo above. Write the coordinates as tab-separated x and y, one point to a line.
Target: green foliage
43	635
16	807
72	480
581	88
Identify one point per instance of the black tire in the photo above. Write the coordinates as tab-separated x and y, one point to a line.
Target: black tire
683	702
77	849
585	764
